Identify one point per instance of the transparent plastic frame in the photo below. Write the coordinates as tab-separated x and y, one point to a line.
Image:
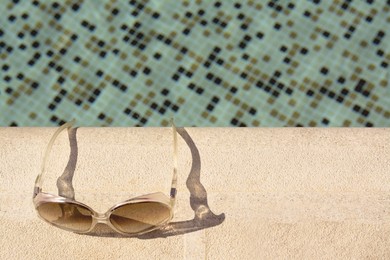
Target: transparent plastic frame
40	197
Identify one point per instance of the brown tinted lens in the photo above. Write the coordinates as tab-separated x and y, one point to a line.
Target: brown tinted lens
138	217
66	215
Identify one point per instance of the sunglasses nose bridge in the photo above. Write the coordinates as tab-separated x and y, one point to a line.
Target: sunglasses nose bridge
101	218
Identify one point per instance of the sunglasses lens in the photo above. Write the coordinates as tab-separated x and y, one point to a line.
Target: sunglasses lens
138	217
66	215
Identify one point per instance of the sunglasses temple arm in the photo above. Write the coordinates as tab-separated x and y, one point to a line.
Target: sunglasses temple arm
174	178
39	179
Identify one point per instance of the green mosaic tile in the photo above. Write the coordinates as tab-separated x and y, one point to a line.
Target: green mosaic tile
205	63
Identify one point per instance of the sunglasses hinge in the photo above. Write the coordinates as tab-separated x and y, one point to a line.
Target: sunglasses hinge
36	191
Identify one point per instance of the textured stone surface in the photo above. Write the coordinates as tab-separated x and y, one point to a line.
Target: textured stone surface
285	193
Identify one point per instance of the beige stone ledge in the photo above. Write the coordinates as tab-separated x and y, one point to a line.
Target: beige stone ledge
257	193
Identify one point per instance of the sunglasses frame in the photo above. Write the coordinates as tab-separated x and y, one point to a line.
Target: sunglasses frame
104	218
40	197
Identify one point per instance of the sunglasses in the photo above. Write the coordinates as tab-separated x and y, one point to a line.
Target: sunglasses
134	216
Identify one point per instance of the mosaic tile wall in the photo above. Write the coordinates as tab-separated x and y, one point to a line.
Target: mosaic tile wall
203	62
